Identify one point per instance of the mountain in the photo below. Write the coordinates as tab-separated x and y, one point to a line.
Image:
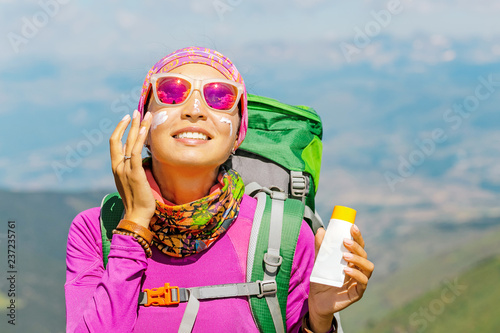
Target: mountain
42	222
410	262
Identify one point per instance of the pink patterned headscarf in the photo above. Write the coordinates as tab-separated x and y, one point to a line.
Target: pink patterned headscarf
200	55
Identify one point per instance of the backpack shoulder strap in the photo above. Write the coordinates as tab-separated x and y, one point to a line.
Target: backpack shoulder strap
313	219
273	240
112	210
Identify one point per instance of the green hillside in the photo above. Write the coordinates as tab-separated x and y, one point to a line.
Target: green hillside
468	303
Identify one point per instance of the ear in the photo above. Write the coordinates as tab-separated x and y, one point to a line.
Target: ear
235	145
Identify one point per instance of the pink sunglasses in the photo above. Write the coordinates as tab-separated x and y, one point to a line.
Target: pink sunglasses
175	89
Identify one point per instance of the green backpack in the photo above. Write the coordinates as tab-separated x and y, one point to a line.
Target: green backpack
282	149
279	162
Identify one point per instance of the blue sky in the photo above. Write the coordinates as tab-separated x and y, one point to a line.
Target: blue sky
66	81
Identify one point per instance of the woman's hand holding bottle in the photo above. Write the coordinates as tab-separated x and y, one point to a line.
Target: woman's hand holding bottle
325	300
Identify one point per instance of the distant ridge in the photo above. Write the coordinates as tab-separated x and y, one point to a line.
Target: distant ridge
42	222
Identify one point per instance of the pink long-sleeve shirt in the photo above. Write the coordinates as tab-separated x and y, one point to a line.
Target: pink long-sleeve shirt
105	300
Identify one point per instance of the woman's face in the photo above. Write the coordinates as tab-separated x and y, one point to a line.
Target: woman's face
192	135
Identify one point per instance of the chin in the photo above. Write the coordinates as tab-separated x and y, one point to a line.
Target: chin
192	160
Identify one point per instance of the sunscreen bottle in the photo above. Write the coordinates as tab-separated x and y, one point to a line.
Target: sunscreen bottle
329	265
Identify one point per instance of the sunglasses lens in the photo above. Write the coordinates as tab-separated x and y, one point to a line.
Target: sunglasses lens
173	90
220	96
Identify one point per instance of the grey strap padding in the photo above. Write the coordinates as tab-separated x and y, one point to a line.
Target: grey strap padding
254	234
313	219
189	316
273	259
274	309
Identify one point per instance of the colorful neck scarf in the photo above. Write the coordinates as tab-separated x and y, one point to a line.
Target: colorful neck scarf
191	228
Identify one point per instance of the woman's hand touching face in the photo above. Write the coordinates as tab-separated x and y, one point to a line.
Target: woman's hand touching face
126	163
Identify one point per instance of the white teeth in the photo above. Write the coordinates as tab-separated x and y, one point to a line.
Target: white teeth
192	135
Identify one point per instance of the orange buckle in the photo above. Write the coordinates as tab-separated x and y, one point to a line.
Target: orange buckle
163	295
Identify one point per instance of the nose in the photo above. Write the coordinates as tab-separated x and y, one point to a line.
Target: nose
194	109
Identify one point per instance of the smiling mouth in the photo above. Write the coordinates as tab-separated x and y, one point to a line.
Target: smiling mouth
191	135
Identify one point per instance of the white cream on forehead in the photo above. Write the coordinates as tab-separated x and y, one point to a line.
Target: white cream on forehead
159	118
227	121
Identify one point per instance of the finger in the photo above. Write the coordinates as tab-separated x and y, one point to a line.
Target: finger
136	160
132	134
354	247
115	141
318	239
363	264
356	235
357	275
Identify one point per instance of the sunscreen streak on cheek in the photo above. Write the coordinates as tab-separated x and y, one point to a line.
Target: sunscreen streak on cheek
159	118
227	121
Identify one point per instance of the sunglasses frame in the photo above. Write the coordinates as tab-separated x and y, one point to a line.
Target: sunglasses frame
195	85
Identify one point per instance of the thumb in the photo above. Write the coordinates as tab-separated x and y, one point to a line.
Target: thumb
318	239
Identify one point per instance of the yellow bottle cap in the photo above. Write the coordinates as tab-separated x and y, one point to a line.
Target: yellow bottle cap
344	213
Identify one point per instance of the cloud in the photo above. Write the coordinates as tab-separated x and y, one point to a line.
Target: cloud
86	65
477	160
79	117
480	6
442	6
310	3
64	166
418	200
458	181
126	19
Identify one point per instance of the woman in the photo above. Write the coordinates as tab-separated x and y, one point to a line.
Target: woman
192	115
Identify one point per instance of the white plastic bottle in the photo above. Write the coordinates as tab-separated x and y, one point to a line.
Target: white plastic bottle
329	265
